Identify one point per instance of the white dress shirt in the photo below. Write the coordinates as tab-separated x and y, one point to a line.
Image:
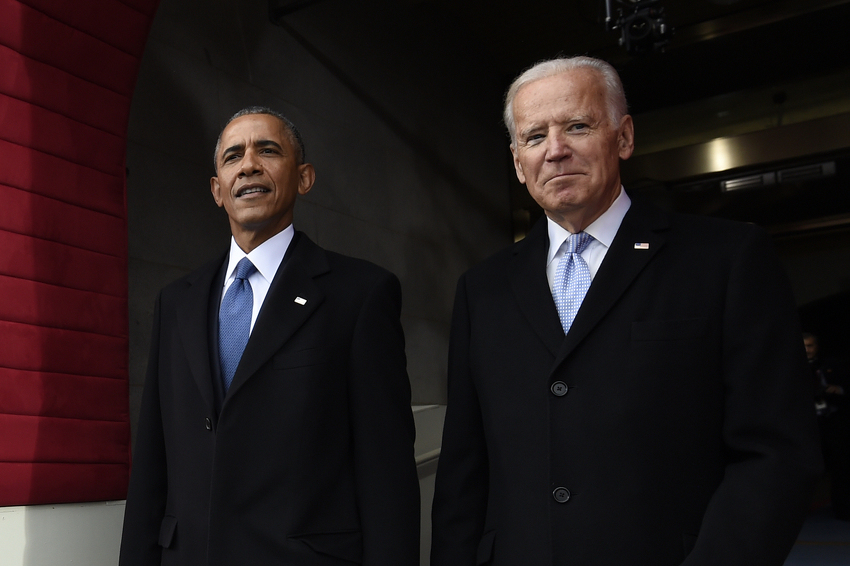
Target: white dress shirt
266	258
603	230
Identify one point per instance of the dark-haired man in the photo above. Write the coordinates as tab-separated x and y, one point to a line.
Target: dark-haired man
626	386
276	424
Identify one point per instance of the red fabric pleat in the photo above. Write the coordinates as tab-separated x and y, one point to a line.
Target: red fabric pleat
52	482
61	395
67	71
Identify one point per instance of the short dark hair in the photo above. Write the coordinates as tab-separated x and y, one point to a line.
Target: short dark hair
291	131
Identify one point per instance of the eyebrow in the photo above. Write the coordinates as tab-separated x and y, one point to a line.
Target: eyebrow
578	118
522	134
269	143
259	143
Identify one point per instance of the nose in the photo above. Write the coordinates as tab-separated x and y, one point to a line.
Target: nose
557	146
250	164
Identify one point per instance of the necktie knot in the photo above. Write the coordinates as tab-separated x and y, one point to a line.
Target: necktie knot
577	243
244	269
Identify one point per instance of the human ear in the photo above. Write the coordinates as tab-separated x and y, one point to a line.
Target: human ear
215	189
307	177
626	137
520	174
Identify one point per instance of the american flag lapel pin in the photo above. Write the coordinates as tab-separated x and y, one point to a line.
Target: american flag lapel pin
641	245
301	300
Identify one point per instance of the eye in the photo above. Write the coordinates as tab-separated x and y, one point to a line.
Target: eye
230	157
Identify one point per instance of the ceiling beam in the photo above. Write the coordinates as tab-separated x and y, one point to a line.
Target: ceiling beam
749	19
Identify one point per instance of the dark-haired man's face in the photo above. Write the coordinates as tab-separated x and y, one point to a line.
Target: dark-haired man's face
258	178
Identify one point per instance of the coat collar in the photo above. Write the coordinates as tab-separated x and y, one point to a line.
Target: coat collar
194	316
641	236
531	288
293	296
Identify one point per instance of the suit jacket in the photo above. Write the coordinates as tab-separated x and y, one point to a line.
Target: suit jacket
672	425
309	459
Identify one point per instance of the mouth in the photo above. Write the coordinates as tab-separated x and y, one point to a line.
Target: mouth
562	177
251	190
566	174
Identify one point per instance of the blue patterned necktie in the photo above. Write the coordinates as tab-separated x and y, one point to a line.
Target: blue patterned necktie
234	320
572	280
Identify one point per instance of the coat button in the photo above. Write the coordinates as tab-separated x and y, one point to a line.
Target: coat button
208	423
561	494
559	389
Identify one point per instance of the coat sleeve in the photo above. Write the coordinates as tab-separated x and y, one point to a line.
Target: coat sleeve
148	486
460	497
769	428
383	431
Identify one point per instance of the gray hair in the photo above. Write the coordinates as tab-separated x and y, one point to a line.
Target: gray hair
291	131
616	96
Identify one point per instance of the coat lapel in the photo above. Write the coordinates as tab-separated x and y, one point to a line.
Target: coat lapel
193	322
531	288
293	296
639	239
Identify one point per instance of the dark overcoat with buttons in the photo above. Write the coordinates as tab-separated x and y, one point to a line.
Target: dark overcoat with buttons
672	425
308	459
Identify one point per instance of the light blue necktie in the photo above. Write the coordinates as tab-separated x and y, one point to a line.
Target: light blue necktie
572	280
234	320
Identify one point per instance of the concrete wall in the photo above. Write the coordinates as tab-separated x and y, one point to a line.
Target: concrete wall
412	166
79	534
818	264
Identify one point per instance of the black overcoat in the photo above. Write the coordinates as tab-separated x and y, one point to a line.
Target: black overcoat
672	425
309	458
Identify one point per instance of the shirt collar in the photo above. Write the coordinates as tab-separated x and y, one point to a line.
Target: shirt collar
266	257
603	229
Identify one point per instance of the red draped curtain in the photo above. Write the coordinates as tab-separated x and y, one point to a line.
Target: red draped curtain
67	71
